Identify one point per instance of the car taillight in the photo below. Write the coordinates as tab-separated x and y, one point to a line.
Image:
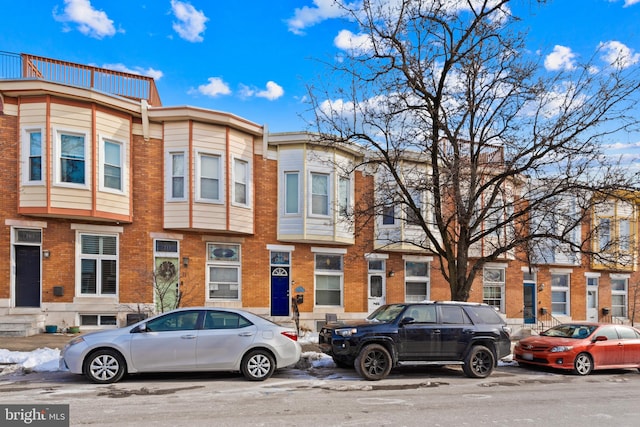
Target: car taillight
290	334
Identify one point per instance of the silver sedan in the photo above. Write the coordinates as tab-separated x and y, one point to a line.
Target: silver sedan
185	340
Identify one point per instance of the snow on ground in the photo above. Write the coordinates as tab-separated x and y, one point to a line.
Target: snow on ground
47	359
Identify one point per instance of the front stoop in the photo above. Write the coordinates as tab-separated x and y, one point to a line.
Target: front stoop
20	325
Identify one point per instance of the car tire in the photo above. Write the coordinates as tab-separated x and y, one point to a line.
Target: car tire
258	365
583	364
373	362
479	363
104	366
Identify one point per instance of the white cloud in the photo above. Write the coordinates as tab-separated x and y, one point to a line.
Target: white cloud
309	16
562	58
618	54
356	43
272	91
215	87
91	22
628	3
149	72
191	22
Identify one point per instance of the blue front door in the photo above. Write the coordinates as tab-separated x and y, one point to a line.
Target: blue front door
280	301
529	310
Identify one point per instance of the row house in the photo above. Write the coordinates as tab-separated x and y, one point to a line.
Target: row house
115	207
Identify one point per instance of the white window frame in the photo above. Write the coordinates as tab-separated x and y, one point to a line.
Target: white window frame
499	285
169	175
219	178
624	293
344	196
57	167
320	272
327	205
103	165
418	198
295	194
386	210
26	156
566	290
100	324
408	279
98	258
245	180
219	263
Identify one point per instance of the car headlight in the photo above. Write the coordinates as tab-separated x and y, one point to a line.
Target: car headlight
346	332
561	348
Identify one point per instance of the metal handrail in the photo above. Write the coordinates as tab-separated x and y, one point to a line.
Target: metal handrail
128	85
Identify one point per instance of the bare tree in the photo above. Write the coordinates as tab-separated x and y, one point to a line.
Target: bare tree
471	140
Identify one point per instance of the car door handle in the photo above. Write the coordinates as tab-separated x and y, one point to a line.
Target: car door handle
245	334
437	331
188	337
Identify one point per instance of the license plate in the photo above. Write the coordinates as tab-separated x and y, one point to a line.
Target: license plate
527	356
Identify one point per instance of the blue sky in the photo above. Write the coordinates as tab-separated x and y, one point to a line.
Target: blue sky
253	58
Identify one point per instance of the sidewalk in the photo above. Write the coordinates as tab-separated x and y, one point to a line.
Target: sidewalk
34	342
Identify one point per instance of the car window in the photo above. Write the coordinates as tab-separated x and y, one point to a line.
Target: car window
422	313
386	313
627	333
608	331
224	320
179	321
484	315
453	315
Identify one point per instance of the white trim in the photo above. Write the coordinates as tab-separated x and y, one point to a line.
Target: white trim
25	147
619	276
169	175
533	270
496	265
417	258
374	256
592	274
57	154
337	251
221	174
281	248
22	223
166	236
248	179
103	140
91	228
561	270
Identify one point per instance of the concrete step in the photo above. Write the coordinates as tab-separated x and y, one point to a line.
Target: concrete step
21	325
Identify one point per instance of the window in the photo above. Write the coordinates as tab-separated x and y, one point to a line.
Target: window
34	151
413	217
166	277
328	275
98	264
604	233
209	177
72	158
560	293
178	321
98	320
223	271
493	287
624	235
388	215
619	297
416	281
292	204
224	320
178	182
240	175
112	165
344	192
319	194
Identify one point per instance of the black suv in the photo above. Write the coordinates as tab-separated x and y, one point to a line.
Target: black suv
438	333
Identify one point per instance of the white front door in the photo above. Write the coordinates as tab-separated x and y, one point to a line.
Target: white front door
592	303
376	291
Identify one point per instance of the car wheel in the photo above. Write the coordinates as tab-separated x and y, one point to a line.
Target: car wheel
583	365
479	362
258	365
104	366
373	362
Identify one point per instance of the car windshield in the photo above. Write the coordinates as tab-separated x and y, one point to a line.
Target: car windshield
386	313
570	331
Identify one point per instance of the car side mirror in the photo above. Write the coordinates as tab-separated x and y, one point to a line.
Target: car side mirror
140	328
407	320
600	338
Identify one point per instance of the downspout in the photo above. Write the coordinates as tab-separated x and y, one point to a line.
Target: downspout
144	110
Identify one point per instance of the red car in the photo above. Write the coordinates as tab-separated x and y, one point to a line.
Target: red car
582	347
